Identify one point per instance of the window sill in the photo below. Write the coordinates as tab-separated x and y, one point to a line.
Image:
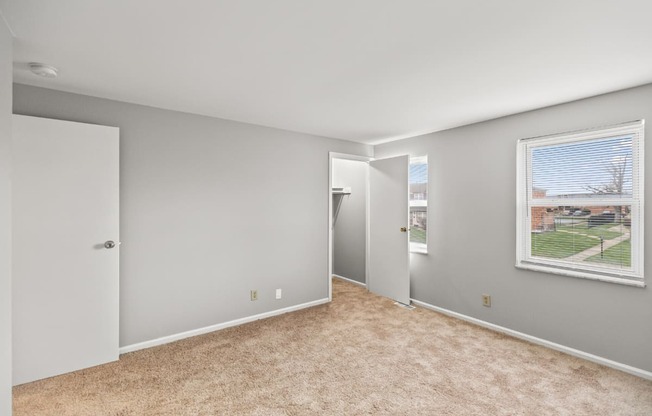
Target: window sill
581	275
418	248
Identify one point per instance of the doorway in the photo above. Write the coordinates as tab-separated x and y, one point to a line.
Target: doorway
348	200
382	256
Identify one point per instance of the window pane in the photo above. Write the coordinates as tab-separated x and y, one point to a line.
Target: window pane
418	224
580	203
595	235
418	188
589	169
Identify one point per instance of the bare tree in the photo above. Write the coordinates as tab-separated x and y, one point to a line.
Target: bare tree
616	170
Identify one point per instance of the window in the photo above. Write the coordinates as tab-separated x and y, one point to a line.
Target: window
418	183
580	204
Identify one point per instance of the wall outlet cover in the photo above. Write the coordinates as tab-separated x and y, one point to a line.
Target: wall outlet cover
486	300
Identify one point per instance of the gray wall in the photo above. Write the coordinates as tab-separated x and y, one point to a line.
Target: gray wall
210	209
5	218
472	226
349	233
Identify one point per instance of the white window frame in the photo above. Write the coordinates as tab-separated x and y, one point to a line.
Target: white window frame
524	201
420	248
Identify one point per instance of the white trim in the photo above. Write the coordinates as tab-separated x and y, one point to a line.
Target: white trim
418	203
539	341
588	134
355	282
582	275
419	248
521	209
330	225
367	228
359	158
607	201
217	327
632	276
590	273
638	239
423	159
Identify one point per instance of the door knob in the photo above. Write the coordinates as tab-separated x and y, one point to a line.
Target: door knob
403	229
109	244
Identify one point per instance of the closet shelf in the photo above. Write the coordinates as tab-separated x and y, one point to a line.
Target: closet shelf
342	191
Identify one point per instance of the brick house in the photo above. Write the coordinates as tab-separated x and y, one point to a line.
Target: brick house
543	218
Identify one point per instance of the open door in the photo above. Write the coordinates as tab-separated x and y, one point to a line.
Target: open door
65	247
389	259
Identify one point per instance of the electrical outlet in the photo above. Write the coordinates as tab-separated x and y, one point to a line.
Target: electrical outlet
486	301
254	295
278	293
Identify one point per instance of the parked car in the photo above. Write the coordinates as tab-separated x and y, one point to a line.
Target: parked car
604	218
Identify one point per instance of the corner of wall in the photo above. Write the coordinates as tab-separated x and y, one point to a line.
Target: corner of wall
6	58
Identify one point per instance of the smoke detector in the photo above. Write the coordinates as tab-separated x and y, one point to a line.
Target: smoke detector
43	70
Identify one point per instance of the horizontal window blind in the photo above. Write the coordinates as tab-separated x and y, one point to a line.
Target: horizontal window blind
590	169
582	200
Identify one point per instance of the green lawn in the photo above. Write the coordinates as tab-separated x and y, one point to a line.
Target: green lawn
620	255
598	231
417	235
559	245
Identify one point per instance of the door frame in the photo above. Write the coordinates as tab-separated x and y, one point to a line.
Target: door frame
358	158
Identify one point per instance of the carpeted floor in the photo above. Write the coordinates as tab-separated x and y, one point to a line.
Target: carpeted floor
358	355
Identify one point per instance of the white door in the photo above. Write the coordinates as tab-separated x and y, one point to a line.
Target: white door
65	273
389	260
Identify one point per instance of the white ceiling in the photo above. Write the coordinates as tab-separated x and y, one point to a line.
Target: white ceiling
363	70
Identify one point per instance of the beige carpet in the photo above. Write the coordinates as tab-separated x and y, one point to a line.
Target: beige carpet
358	355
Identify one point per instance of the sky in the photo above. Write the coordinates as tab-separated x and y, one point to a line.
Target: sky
573	168
418	173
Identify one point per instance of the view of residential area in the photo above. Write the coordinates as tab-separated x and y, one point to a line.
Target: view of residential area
590	234
597	181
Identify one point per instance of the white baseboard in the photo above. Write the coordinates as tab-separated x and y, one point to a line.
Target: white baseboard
217	327
549	344
355	282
